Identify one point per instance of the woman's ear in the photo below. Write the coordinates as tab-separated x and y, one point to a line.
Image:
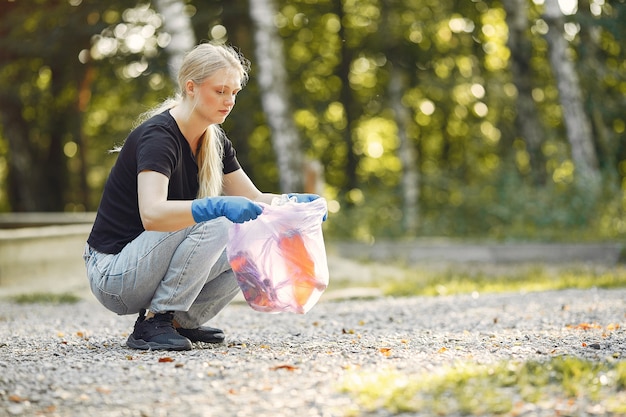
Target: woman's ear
189	88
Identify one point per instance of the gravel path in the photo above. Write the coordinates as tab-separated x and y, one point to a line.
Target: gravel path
69	360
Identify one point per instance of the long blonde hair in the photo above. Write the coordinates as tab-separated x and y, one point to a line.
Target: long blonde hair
199	64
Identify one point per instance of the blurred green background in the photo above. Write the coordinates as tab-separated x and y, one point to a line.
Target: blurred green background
494	119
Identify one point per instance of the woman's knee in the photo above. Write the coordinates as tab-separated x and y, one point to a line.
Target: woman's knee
216	228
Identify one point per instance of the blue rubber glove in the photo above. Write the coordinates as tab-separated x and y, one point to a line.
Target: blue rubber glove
306	198
303	198
235	209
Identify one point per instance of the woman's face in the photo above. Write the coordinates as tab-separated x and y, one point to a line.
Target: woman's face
215	96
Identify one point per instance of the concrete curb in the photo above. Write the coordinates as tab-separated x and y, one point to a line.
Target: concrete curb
42	259
420	251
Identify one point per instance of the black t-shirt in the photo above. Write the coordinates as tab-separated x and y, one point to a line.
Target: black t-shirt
155	145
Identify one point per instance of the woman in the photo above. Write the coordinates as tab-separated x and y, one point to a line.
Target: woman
159	238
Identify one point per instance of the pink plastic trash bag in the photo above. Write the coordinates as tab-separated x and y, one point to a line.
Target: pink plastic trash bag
279	259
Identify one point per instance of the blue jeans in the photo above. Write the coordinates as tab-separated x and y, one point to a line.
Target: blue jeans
186	271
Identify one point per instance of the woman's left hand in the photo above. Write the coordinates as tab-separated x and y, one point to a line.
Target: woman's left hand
303	198
306	198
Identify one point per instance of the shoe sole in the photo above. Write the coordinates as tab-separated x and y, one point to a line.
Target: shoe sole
210	335
215	340
143	345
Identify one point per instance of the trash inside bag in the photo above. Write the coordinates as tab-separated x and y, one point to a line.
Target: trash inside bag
279	259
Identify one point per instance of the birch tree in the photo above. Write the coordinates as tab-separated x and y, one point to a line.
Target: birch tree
273	82
178	25
576	121
406	151
592	60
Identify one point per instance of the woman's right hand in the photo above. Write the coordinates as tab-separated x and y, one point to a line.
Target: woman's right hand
234	208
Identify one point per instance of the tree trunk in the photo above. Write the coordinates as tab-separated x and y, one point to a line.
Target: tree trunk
346	99
527	121
591	59
406	151
273	83
236	19
21	170
60	127
21	177
84	97
577	125
178	24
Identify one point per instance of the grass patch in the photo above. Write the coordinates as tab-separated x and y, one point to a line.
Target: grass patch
497	279
46	298
505	388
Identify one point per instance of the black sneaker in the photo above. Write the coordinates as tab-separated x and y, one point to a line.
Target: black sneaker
157	333
203	334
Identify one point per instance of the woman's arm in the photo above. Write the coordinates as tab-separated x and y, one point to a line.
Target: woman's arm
156	211
163	215
238	183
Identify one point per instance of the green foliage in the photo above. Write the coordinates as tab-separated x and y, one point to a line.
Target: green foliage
57	60
505	207
504	388
72	83
423	281
46	298
436	280
509	208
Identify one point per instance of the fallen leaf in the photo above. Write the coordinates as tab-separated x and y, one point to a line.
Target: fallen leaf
385	351
443	349
166	359
290	368
16	398
584	326
103	390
